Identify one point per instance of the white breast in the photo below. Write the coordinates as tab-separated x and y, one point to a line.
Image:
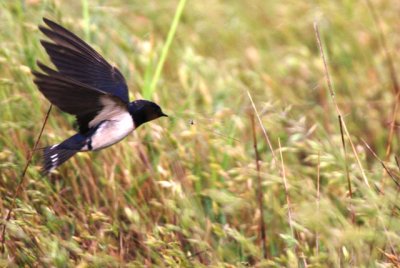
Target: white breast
115	124
111	109
112	131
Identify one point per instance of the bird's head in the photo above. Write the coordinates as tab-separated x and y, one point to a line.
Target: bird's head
143	111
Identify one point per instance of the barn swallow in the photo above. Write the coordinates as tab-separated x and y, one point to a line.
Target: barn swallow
85	85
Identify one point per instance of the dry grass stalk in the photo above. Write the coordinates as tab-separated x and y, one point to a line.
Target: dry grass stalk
332	93
395	180
259	191
20	184
262	127
352	214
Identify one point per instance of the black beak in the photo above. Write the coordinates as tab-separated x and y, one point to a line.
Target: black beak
164	115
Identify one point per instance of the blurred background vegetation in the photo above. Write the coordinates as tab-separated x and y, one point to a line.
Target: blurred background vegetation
183	192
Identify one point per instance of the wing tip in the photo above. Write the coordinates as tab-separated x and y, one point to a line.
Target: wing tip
44	30
38	76
45	43
48	22
45	68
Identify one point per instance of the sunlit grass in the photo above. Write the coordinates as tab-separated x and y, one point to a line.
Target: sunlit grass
181	192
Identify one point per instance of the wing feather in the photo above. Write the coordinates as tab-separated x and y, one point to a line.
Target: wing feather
74	97
74	58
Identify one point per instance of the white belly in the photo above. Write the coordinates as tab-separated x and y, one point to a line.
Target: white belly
112	131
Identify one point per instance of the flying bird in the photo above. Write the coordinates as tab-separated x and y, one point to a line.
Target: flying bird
84	84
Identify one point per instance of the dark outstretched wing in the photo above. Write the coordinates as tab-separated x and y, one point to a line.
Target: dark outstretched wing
88	104
77	60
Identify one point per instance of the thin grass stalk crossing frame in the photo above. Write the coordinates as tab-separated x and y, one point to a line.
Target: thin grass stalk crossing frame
262	127
346	165
20	184
259	191
332	93
383	164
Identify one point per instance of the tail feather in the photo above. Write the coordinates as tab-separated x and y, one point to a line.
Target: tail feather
54	157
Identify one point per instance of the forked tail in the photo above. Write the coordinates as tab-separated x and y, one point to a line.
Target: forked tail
54	157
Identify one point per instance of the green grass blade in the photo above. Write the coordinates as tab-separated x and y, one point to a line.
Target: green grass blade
86	19
148	90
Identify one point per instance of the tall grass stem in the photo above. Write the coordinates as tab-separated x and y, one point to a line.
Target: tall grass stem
20	184
259	191
332	93
171	34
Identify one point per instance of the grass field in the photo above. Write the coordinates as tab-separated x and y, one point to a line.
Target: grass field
186	191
